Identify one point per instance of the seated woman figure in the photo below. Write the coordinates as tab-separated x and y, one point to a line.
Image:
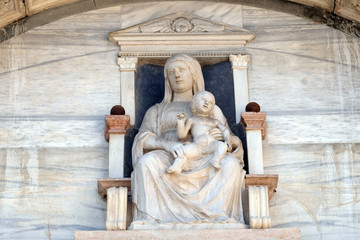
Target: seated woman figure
199	194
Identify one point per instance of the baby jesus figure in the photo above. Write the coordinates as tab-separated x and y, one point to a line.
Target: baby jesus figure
199	125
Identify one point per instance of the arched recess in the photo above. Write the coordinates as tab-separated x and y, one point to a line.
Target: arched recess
328	14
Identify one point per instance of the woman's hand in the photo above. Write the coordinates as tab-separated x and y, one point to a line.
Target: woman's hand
176	149
216	133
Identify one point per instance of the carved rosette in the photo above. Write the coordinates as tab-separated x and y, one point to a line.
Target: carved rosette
127	63
254	121
239	61
116	124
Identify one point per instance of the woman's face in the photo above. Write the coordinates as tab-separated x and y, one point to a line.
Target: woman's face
179	76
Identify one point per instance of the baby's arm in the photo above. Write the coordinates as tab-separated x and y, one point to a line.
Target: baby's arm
183	126
226	134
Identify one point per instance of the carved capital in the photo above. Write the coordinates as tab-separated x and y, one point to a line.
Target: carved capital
239	61
116	124
127	63
254	121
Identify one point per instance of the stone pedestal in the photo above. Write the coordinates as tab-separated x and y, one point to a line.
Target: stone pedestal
258	193
192	234
116	126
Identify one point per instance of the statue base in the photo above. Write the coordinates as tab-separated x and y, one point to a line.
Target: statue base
182	226
208	234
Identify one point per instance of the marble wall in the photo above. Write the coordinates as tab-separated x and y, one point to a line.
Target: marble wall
59	80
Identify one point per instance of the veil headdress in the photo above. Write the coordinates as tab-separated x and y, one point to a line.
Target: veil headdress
195	69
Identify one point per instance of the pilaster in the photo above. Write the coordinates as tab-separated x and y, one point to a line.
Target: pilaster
127	84
241	89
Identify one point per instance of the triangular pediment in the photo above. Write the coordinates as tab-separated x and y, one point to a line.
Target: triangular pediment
180	22
181	32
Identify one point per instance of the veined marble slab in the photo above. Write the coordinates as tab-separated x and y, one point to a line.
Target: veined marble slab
56	132
318	189
58	80
305	128
227	13
45	192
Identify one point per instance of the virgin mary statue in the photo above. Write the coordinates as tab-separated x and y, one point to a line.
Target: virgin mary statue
198	197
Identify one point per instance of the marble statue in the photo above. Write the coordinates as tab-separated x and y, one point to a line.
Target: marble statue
200	195
199	124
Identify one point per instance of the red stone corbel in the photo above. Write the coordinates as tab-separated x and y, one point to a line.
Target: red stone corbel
254	121
116	124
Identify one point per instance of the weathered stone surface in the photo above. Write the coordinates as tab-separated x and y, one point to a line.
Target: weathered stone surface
36	6
11	11
324	4
349	9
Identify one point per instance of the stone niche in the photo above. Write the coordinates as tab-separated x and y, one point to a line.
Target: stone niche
144	48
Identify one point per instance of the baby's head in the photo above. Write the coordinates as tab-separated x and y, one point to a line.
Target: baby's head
203	103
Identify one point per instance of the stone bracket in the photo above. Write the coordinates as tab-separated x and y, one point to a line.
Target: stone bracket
269	180
261	188
116	208
259	207
105	183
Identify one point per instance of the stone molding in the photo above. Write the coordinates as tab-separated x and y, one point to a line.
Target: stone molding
36	6
254	121
195	54
346	21
116	124
10	11
127	63
239	61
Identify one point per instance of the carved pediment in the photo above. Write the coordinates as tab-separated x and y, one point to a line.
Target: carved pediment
180	22
181	32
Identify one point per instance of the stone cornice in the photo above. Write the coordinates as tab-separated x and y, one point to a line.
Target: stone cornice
169	54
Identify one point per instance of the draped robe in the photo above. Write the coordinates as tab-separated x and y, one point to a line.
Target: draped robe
199	194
